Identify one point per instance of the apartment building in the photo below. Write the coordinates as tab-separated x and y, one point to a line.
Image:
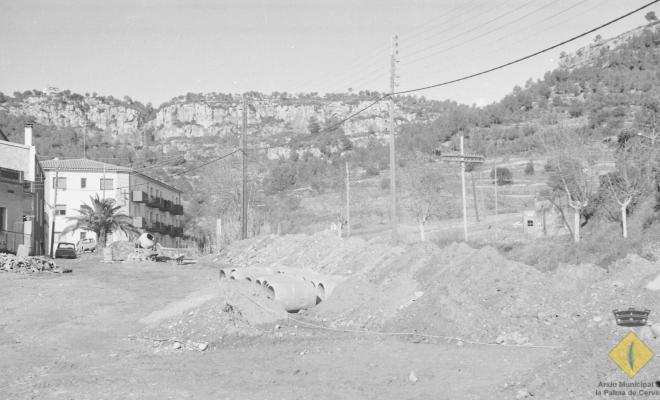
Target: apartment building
154	206
22	219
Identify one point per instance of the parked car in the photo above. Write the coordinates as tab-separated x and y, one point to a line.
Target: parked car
86	245
66	250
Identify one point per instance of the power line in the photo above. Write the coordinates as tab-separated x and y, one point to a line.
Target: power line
460	34
444	50
534	25
518	60
466	77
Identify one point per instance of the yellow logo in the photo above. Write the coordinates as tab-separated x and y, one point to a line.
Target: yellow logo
631	354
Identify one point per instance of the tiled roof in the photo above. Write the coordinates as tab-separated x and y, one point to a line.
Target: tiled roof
86	165
82	164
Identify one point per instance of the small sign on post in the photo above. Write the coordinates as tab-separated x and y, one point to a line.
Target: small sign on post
463	159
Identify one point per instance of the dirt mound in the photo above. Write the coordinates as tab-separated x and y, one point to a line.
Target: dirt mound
205	318
323	252
458	291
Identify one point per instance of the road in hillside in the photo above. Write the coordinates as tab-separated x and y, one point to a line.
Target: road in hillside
506	225
67	337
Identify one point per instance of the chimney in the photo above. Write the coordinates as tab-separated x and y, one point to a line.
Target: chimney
28	134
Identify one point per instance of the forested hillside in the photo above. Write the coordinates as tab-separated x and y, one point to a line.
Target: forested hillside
607	90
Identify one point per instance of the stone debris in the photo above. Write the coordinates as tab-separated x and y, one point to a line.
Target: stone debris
28	265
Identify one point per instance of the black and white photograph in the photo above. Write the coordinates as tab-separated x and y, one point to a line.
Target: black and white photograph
329	199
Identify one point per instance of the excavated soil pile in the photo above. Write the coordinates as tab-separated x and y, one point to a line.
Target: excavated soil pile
458	291
236	309
322	252
578	369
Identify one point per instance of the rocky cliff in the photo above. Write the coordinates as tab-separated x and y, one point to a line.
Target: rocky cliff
207	115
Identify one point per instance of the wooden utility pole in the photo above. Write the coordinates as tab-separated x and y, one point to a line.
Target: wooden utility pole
463	159
474	196
54	208
348	202
393	61
244	199
496	183
218	234
465	229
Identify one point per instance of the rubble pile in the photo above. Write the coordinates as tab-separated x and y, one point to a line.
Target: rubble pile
28	265
240	310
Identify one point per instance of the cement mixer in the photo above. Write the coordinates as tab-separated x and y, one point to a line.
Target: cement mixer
146	241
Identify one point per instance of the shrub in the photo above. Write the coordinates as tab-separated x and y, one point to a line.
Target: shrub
371	171
504	176
529	168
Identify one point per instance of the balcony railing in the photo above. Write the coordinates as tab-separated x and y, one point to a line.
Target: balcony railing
165	205
177	209
155	202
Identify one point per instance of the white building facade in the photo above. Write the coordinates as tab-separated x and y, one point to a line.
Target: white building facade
154	206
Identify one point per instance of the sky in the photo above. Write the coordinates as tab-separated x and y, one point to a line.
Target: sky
153	50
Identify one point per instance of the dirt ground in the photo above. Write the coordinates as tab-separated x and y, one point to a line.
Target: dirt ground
78	336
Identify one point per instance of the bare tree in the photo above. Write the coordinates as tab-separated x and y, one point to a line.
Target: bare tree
633	178
427	200
570	176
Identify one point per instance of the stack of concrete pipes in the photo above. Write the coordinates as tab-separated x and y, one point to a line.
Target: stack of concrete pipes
295	289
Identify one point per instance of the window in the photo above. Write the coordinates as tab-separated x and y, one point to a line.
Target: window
106	184
530	222
83	183
83	235
60	183
60	209
3	217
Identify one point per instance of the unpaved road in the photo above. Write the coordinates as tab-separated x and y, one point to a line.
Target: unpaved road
67	337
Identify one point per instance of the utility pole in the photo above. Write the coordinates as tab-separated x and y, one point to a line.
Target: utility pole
465	229
348	202
496	183
393	84
464	159
54	214
244	199
474	196
103	181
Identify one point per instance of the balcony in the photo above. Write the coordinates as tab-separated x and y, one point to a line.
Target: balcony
158	227
177	209
165	205
139	196
170	230
155	202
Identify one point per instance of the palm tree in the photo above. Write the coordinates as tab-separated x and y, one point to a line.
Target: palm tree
102	218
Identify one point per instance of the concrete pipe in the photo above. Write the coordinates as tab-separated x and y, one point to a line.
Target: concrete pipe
226	272
250	272
293	293
320	293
